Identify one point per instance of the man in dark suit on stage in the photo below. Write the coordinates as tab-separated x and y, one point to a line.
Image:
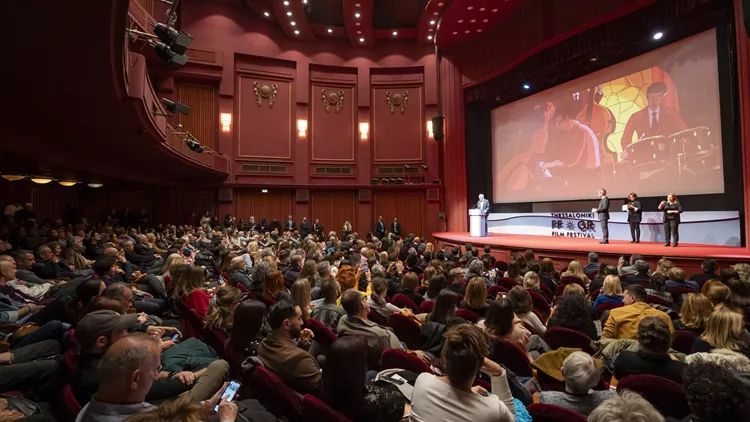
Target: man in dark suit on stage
603	213
656	119
380	228
396	227
483	205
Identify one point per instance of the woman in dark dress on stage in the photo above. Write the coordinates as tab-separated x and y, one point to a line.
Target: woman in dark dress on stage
672	210
634	217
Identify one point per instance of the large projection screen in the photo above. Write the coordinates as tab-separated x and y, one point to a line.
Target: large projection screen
649	125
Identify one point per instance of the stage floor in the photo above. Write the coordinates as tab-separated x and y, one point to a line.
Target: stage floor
552	243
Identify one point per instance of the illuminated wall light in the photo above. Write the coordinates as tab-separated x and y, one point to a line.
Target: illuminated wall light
302	127
361	40
330	31
41	180
67	183
395	33
658	35
432	22
356	15
264	191
226	122
13	177
266	14
95	185
364	128
296	32
293	23
429	37
289	13
286	3
429	129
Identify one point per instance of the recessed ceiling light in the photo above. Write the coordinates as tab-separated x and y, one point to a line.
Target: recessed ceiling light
467	31
658	35
304	1
494	10
485	20
440	4
429	29
330	30
526	86
593	59
470	8
395	33
429	37
460	21
473	20
479	30
432	22
357	5
455	32
296	32
359	32
289	13
356	15
481	9
356	23
286	3
266	14
435	13
361	40
293	23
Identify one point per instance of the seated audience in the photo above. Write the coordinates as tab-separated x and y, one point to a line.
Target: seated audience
611	291
623	322
476	297
346	390
437	283
502	324
188	288
328	312
581	375
280	354
657	288
522	307
663	266
451	397
221	308
641	276
531	282
273	287
709	267
514	272
301	296
604	271
695	311
715	394
626	406
571	311
575	271
409	285
678	278
238	272
593	265
724	330
377	301
653	358
456	281
246	337
547	274
719	293
628	267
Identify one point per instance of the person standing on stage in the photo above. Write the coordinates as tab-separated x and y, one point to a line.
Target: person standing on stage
672	210
634	217
483	205
603	213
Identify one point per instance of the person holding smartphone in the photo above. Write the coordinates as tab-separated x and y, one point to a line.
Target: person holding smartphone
635	214
672	210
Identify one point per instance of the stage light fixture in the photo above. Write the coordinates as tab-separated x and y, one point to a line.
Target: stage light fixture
658	35
177	41
173	60
526	86
400	180
375	180
13	177
175	107
424	166
193	144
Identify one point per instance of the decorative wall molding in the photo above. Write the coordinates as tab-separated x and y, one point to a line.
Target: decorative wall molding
267	91
397	99
330	98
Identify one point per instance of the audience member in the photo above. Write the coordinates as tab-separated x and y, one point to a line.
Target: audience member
654	337
575	271
476	297
623	269
709	267
724	330
522	307
377	300
502	324
410	283
328	312
623	322
221	308
641	276
611	291
627	406
571	312
715	394
246	337
695	311
581	375
593	265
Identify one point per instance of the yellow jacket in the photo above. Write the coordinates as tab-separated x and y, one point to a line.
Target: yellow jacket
623	322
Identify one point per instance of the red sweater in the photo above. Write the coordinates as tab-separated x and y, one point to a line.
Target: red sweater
198	300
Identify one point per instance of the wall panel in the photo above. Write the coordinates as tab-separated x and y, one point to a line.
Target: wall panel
202	121
409	208
270	205
264	131
333	123
398	131
51	203
333	209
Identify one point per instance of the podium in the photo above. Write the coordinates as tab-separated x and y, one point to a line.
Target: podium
477	223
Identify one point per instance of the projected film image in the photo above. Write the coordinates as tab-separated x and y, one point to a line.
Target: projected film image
649	125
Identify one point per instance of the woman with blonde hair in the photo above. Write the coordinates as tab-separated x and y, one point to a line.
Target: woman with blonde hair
532	283
663	266
151	237
719	293
575	270
611	291
724	330
695	311
221	308
173	261
429	247
429	272
346	230
302	297
476	297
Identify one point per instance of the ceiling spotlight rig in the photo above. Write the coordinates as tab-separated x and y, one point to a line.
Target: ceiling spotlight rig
189	139
172	108
170	44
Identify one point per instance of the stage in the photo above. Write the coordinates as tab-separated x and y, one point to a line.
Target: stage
687	256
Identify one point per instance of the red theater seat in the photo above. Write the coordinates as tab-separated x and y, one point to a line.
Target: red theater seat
541	412
666	395
315	410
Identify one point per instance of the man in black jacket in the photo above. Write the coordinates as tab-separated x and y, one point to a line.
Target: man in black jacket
396	227
380	228
238	272
653	358
290	225
603	212
305	226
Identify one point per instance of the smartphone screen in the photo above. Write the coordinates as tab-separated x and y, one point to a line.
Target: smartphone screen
176	337
230	392
367	268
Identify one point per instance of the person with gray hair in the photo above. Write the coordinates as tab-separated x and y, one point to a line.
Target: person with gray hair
593	264
476	269
628	406
581	375
260	272
641	276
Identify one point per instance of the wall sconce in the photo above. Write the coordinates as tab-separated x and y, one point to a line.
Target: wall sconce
226	122
364	127
95	185
429	129
302	127
67	183
13	177
41	180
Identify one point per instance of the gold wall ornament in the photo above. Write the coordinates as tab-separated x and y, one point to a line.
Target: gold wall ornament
332	98
397	99
264	90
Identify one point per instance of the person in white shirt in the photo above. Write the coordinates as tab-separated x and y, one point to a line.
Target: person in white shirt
452	398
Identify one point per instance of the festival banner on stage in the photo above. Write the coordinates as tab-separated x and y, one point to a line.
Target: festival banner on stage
699	227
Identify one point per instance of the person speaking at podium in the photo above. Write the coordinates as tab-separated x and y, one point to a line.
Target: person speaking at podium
603	212
672	210
635	214
483	205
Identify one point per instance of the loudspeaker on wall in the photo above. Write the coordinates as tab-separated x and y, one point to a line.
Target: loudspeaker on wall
437	128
